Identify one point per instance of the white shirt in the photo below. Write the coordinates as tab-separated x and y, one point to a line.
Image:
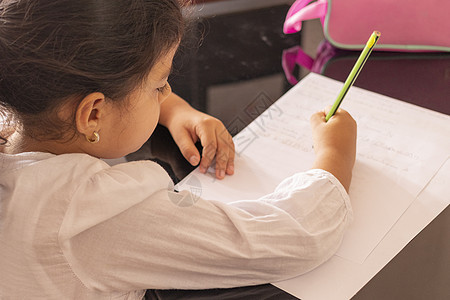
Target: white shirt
72	227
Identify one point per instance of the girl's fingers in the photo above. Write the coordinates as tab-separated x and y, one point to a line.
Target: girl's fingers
208	154
187	147
224	154
231	155
317	118
217	144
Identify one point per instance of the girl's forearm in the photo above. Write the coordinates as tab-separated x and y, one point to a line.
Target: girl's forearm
338	165
173	105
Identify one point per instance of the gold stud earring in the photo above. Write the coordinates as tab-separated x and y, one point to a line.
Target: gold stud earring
94	139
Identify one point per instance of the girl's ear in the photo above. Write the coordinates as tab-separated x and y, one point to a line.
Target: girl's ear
89	113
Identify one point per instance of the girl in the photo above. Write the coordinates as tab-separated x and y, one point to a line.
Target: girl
84	80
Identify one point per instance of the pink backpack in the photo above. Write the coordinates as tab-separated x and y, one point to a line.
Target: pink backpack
405	25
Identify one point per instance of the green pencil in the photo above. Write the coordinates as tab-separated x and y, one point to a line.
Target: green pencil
354	72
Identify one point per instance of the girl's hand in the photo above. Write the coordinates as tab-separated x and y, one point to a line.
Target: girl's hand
335	144
188	126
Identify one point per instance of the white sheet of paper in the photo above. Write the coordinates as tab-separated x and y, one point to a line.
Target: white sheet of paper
400	148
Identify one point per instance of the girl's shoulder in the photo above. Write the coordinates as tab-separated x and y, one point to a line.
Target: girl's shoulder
77	165
86	166
36	160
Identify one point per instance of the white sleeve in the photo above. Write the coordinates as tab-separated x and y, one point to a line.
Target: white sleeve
143	240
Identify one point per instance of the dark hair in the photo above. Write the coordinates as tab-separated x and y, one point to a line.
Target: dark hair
55	50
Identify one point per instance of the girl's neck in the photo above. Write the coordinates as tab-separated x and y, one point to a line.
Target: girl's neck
18	143
15	144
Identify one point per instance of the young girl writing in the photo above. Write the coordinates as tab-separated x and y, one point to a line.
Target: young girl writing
84	80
